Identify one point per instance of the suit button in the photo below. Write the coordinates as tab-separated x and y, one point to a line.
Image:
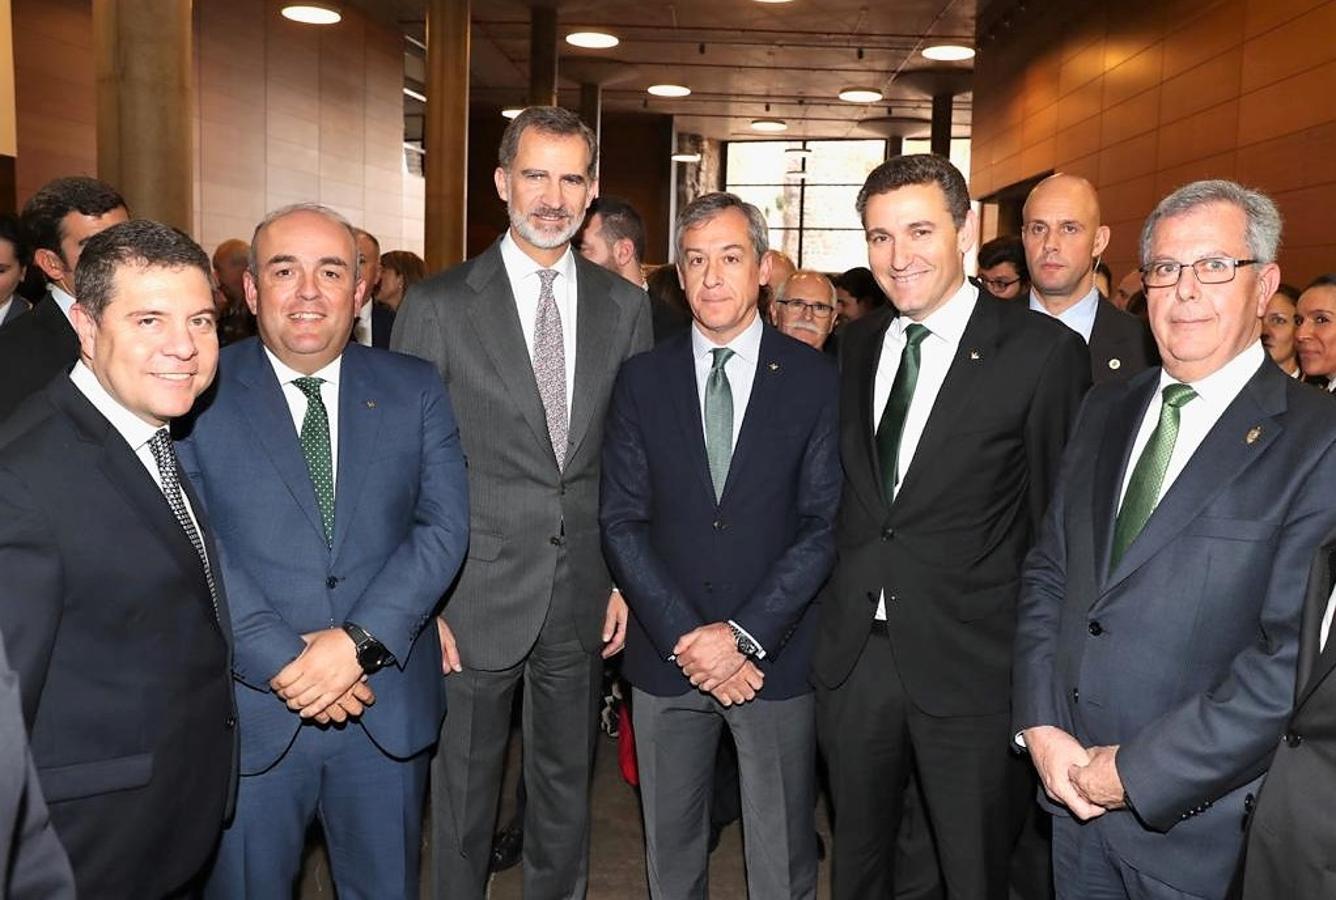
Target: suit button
717	524
1076	695
1293	738
1095	629
331	582
1249	802
709	586
556	540
887	534
230	722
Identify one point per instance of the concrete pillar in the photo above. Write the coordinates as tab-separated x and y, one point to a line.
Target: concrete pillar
543	55
591	107
941	124
145	105
895	146
446	133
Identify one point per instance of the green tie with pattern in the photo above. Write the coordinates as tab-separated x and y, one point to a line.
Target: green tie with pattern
1143	489
315	447
719	420
892	425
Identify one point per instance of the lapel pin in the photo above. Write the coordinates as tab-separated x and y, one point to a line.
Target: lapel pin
975	354
774	366
370	404
1115	364
1253	434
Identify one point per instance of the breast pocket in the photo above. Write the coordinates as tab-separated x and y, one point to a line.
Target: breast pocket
103	776
1232	529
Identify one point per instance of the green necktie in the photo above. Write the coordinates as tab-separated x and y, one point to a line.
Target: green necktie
1143	489
892	425
315	447
719	420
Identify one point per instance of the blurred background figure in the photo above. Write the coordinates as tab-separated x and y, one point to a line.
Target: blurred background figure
235	320
781	267
1002	269
1103	279
14	259
804	308
613	236
667	303
1278	327
1122	295
399	271
1315	334
857	294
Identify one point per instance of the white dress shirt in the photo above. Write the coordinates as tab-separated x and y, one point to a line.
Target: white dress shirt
4	307
1326	623
136	432
362	324
525	284
64	301
297	402
1197	417
946	325
1079	317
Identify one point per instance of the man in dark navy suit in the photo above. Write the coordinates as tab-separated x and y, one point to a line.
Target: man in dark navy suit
720	483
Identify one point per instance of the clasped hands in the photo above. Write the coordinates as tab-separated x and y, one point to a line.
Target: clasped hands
709	657
1083	779
325	682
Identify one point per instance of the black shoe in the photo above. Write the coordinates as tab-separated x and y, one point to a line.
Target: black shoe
507	847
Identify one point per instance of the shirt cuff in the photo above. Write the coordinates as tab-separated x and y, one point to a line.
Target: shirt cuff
760	651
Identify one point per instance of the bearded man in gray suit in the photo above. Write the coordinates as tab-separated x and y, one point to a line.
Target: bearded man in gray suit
528	336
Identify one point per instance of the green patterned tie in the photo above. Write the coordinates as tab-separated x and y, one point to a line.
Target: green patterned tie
719	420
315	447
1143	489
892	425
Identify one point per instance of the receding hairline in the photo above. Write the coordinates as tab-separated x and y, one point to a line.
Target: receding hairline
1063	181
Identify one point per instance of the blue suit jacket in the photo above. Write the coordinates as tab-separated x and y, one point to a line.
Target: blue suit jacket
400	529
761	552
1184	653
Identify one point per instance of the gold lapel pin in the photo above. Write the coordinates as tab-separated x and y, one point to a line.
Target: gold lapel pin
975	354
370	404
774	367
1115	364
1253	434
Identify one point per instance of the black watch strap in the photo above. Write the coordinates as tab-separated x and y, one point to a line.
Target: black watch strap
371	653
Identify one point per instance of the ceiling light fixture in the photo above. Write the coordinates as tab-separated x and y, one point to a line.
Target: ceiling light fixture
798	152
592	40
860	95
774	1
511	112
313	13
416	95
668	90
686	157
769	126
948	52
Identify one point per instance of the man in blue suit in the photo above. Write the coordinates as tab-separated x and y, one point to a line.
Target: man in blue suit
720	482
1159	612
335	482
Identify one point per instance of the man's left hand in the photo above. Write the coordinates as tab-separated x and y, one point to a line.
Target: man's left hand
614	625
1098	781
322	674
709	655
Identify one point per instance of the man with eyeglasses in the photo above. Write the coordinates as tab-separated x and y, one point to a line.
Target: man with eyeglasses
804	307
1063	241
1002	269
1159	611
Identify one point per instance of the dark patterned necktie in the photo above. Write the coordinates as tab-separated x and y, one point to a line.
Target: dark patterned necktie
549	365
315	447
165	456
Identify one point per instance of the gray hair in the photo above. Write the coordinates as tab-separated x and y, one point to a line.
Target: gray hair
782	292
707	206
1262	219
551	120
252	259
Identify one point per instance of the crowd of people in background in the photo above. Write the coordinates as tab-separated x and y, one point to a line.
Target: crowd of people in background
1035	565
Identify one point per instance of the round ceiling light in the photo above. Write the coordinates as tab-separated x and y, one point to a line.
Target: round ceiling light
592	40
948	52
686	157
312	13
669	90
511	112
860	95
769	126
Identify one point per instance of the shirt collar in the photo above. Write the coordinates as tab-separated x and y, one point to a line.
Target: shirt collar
286	374
62	298
520	265
1082	308
1219	389
135	430
746	345
947	321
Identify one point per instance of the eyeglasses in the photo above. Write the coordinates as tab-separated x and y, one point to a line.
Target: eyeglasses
1163	273
820	310
997	284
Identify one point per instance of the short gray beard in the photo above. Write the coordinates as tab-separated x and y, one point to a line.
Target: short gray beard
520	222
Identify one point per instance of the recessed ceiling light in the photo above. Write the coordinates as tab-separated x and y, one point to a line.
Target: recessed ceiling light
770	126
416	95
312	13
774	1
511	112
860	95
686	157
592	40
668	90
948	52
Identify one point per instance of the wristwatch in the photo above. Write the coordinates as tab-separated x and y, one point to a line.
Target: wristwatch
746	646
371	653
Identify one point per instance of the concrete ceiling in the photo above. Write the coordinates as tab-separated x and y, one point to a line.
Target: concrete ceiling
742	59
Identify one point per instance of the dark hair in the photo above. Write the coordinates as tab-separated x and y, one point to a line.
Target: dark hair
139	243
707	206
620	222
45	211
12	231
862	286
407	265
1005	249
547	120
1325	280
1288	290
918	168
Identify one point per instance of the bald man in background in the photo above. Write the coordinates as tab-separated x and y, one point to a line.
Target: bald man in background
1063	241
804	307
235	320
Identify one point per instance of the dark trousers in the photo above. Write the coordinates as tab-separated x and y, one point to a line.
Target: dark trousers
1086	868
974	789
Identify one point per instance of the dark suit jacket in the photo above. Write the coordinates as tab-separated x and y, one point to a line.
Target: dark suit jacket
400	514
1292	834
759	554
382	324
1184	653
948	551
533	528
17	307
34	348
1121	345
122	661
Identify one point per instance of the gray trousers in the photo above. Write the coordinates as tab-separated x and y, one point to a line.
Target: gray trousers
676	740
1086	868
561	688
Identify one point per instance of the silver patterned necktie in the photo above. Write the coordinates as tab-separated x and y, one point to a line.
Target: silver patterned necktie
164	454
549	365
719	420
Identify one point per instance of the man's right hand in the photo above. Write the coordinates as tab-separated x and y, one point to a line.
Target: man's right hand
741	687
351	705
1054	753
449	649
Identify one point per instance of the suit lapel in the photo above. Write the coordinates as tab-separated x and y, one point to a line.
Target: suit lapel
1111	464
765	395
861	359
359	425
595	324
681	385
1315	664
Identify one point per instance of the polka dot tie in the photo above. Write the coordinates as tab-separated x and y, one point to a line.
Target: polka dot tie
165	456
549	365
315	447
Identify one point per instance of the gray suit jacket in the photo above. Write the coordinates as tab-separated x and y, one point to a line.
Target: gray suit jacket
534	535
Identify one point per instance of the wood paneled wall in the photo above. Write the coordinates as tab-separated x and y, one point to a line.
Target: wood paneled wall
1145	95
